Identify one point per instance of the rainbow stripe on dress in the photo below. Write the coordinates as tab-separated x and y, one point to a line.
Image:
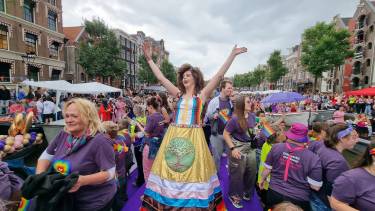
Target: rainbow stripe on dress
62	166
24	204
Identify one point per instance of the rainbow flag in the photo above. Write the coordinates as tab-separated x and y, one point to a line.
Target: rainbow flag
120	148
224	115
267	130
24	204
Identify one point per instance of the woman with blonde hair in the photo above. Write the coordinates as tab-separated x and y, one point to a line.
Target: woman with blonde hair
82	148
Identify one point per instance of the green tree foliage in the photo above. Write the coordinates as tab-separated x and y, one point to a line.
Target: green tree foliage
99	55
145	74
324	48
259	75
169	71
250	79
276	67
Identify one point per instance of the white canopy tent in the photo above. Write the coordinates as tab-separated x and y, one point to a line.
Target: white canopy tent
62	86
66	87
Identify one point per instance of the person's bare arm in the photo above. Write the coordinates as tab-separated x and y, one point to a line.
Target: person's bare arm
172	89
339	205
214	81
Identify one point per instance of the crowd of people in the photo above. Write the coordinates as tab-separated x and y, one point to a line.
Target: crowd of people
178	141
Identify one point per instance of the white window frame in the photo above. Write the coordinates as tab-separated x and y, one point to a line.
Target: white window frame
5	6
8	36
27	71
10	74
36	44
58	51
56	20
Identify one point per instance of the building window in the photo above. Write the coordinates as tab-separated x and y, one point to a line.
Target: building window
83	78
32	73
55	75
371	28
5	72
366	80
2	5
52	19
3	37
31	42
54	50
368	62
53	2
28	10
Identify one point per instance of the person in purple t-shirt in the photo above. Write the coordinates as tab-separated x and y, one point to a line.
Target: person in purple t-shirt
154	131
239	135
294	170
355	189
340	137
219	112
82	148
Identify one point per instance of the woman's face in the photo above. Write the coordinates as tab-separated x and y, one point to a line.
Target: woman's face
150	109
188	79
350	141
74	123
247	104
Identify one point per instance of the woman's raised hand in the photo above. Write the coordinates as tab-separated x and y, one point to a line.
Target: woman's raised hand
147	51
236	51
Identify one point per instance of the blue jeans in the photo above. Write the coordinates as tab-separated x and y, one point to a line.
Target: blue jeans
317	204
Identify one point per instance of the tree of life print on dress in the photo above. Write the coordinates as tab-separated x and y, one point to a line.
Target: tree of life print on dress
180	154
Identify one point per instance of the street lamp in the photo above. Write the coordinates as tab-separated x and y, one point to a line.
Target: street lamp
28	57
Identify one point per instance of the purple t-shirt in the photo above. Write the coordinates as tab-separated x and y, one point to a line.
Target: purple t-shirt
154	128
96	155
305	169
333	163
356	187
225	112
314	146
234	128
9	182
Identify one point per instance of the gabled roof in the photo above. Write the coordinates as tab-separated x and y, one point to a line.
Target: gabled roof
346	20
73	33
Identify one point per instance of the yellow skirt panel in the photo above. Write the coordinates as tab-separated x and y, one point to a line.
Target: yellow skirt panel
202	167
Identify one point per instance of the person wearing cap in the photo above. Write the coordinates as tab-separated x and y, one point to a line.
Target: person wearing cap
340	137
355	189
294	170
239	136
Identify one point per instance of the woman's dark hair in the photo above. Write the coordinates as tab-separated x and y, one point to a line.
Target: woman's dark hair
367	159
197	75
259	112
331	139
239	111
318	127
164	102
153	102
105	104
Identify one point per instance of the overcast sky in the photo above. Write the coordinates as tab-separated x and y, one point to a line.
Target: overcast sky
202	32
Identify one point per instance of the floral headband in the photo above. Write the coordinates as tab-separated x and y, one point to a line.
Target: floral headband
345	132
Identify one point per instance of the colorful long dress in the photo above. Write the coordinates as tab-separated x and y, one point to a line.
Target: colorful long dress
183	176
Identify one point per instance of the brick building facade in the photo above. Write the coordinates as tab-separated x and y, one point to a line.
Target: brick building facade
33	28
